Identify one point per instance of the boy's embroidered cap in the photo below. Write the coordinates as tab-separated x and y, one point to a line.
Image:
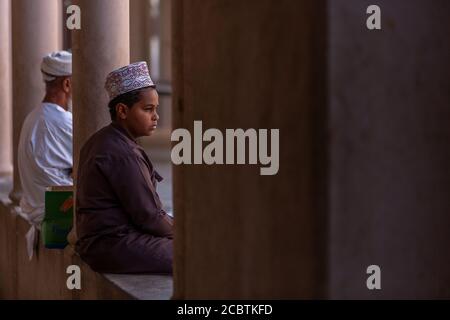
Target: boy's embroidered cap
132	77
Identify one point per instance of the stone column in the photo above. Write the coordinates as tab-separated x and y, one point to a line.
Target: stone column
100	46
36	31
5	89
239	234
165	63
166	40
139	30
389	159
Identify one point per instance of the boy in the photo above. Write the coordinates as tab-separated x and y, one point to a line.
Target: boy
121	225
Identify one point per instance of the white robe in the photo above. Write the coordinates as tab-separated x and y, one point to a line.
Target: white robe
44	159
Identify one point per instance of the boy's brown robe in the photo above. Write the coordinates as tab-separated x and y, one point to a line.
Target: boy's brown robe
121	225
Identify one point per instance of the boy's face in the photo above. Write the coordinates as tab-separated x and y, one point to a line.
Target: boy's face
142	118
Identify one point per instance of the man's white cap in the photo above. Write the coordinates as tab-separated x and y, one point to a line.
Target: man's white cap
56	64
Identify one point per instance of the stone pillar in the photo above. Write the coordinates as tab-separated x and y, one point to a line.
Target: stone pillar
36	31
139	30
100	46
5	89
389	175
166	40
165	60
239	234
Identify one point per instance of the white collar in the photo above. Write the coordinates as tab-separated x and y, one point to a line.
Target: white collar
58	107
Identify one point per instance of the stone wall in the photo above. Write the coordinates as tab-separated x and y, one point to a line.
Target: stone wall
45	276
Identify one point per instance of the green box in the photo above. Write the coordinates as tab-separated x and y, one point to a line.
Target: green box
58	218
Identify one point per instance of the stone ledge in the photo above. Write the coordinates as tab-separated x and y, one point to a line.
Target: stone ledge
144	287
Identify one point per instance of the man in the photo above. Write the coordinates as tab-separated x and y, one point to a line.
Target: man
121	225
45	146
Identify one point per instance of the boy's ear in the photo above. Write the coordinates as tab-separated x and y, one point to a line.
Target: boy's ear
121	111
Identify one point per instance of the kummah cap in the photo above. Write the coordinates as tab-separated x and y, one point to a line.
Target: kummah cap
56	64
129	78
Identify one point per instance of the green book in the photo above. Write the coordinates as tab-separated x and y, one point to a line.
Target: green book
58	218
